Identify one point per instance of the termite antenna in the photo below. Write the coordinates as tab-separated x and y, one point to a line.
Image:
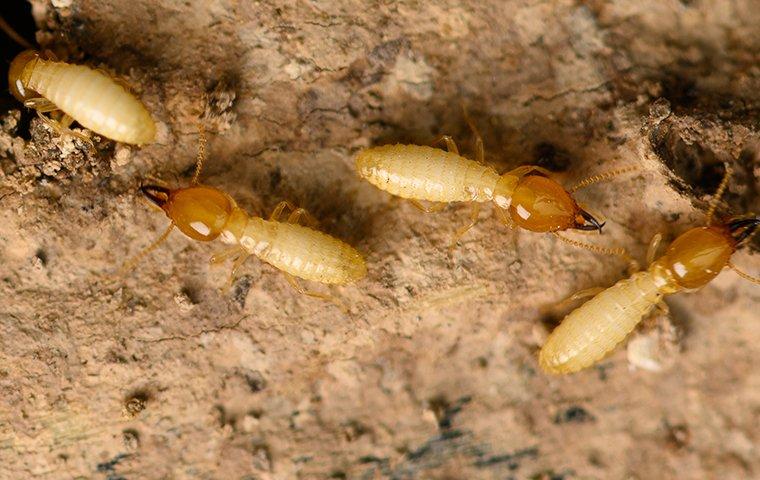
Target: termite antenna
604	176
201	152
719	193
620	251
743	274
4	26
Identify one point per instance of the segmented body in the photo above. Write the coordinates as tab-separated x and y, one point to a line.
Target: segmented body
427	173
93	99
587	334
302	251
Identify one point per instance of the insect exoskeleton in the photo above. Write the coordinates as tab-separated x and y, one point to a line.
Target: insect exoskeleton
88	96
532	200
206	213
593	330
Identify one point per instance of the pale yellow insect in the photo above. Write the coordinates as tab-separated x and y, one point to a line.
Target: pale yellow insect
526	197
593	330
90	97
206	213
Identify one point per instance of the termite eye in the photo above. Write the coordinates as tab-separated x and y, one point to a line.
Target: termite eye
540	204
17	77
199	212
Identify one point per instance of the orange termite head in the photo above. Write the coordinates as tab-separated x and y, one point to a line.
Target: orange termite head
698	255
19	73
540	204
199	212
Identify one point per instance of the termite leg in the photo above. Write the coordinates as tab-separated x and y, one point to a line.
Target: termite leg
275	216
432	208
479	149
201	153
296	215
48	54
473	220
238	253
663	308
580	295
236	266
743	274
719	193
604	176
654	245
527	169
227	253
118	80
65	122
41	104
297	286
504	217
451	146
61	127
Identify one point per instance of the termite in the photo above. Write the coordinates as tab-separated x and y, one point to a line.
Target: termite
90	97
206	213
691	261
526	197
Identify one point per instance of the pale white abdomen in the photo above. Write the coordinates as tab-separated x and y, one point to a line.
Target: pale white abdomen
592	330
303	252
94	100
426	173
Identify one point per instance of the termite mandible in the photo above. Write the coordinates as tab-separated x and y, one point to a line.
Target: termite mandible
692	260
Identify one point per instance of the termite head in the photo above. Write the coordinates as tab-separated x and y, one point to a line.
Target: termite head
698	255
540	204
19	73
199	212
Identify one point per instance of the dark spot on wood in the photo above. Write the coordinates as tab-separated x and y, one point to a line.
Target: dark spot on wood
677	436
241	289
574	414
137	401
42	256
512	460
275	177
262	456
110	465
255	381
551	157
444	411
130	438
